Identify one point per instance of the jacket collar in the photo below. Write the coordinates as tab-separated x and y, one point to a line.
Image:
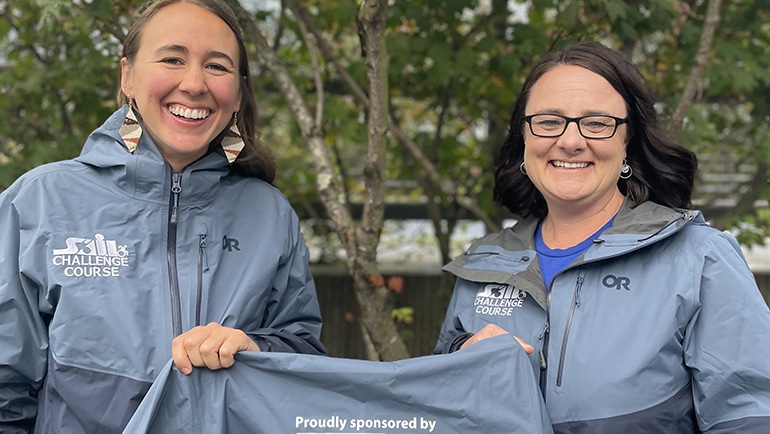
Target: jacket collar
643	223
508	256
137	167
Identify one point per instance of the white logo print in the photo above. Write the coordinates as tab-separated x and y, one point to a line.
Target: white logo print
91	257
498	299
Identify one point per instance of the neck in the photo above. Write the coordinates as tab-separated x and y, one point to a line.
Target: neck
563	228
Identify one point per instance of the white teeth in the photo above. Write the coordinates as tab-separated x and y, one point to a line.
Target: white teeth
567	165
189	113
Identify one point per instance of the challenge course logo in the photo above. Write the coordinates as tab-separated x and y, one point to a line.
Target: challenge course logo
499	299
91	257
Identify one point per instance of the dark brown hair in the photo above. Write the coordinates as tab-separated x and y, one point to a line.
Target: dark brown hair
255	159
663	171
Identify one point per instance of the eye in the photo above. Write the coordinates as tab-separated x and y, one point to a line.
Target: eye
171	61
548	122
217	67
597	124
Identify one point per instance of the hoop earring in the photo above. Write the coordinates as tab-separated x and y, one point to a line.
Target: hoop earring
625	170
522	168
131	129
232	142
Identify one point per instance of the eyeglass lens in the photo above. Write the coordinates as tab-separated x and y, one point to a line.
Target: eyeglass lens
595	127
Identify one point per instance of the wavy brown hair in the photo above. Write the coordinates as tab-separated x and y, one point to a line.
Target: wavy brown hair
663	171
255	159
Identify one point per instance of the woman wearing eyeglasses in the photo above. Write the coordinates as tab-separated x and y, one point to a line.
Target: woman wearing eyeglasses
638	317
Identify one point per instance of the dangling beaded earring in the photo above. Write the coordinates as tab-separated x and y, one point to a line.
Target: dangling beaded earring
522	168
232	143
625	170
131	130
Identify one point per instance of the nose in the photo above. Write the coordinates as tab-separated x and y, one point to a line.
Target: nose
193	81
572	140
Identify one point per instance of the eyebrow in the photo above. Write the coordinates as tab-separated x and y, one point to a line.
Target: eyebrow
209	54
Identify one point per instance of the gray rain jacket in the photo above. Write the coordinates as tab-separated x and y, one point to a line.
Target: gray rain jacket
658	328
96	279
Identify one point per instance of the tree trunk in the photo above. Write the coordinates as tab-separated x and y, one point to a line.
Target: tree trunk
368	284
360	241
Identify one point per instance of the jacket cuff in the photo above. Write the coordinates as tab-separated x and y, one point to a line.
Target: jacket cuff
458	341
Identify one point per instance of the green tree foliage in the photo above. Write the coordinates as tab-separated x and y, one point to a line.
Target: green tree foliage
455	67
58	75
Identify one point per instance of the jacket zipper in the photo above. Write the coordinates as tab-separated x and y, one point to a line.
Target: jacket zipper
545	336
575	304
176	308
203	266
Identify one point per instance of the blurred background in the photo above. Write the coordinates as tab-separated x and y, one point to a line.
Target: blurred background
385	205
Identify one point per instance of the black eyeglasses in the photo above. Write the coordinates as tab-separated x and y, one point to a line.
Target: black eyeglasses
590	127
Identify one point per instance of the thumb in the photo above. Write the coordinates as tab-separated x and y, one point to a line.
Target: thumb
529	349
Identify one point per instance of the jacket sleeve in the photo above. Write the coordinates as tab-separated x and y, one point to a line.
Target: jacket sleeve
293	321
452	334
727	343
23	335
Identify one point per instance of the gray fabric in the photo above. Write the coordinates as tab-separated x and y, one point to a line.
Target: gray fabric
486	388
117	398
660	303
673	416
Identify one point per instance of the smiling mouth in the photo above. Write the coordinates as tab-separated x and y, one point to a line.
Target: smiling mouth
568	165
188	113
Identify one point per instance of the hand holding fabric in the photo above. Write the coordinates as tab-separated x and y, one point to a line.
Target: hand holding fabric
491	330
213	346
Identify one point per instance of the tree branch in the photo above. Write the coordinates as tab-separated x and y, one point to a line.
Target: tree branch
327	182
701	57
402	138
319	82
327	52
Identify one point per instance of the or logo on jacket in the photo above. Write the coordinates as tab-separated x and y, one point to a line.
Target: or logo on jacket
616	282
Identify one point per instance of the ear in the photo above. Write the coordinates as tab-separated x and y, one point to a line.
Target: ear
126	78
241	85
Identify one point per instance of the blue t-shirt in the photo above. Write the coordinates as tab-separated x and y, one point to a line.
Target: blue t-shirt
554	260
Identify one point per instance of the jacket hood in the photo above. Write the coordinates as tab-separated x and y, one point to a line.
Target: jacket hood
144	172
509	256
633	227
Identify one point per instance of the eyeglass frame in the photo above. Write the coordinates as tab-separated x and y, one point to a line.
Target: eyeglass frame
618	122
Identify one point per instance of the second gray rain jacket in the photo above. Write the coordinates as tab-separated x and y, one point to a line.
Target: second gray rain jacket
658	328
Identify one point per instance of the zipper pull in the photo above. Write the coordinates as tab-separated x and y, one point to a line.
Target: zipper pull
203	243
580	280
540	353
176	189
545	330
